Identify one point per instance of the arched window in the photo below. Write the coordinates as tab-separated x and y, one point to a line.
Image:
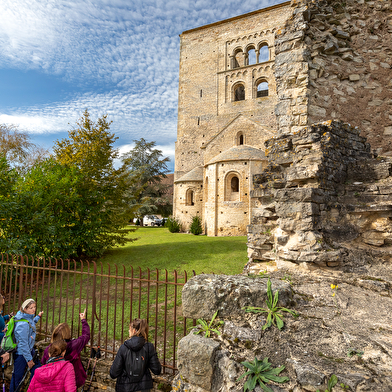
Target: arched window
190	198
251	56
261	89
263	53
239	92
232	187
235	184
240	139
237	59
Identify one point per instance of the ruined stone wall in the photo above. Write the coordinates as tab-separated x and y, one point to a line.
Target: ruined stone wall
322	188
350	70
333	61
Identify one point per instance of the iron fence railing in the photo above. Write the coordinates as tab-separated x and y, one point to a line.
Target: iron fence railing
112	295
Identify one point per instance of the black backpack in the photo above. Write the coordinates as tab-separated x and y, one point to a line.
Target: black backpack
136	364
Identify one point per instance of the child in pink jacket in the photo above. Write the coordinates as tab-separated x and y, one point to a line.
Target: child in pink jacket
57	375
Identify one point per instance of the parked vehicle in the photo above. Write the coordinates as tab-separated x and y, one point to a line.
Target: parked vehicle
152	220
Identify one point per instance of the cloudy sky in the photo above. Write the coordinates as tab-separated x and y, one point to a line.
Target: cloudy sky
115	57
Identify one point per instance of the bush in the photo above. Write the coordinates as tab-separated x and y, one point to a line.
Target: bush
173	225
196	227
137	222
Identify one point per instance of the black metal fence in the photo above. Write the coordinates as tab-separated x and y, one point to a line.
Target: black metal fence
112	296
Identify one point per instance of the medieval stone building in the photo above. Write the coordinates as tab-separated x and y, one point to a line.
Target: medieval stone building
227	97
267	74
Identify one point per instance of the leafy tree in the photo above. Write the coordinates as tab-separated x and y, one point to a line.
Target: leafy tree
147	167
104	190
38	211
16	146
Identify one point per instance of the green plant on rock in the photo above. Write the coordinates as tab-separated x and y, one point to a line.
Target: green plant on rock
207	328
333	380
353	351
261	372
275	316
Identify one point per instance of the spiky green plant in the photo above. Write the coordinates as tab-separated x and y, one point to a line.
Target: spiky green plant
261	372
207	328
275	316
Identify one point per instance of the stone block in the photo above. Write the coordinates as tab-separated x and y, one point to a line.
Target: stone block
204	294
196	360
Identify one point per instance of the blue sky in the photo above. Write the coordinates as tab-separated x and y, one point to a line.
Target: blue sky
115	57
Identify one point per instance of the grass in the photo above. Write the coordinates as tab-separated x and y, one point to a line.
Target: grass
158	248
118	299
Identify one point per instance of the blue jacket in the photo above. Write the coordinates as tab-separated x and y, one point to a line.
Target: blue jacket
25	334
2	324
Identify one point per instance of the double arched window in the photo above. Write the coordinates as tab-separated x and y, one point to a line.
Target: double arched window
251	55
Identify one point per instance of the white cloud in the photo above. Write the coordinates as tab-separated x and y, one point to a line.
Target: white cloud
125	53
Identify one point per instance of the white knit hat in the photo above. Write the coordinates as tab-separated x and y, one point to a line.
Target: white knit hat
27	302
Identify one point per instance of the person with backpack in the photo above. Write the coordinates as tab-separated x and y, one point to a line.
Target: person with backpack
3	318
25	332
57	375
134	360
74	347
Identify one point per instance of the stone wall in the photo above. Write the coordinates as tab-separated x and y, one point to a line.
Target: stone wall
343	331
206	78
333	60
321	190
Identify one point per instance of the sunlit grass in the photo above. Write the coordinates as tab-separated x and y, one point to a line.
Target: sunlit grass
157	248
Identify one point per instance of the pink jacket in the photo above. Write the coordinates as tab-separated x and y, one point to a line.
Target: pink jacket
54	377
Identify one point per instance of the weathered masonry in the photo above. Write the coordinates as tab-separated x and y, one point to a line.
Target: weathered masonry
227	98
270	73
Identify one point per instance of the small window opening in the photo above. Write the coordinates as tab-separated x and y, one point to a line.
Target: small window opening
263	54
201	93
239	139
190	198
235	184
251	57
262	89
239	93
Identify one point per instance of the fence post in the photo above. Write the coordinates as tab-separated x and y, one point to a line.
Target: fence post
21	282
94	303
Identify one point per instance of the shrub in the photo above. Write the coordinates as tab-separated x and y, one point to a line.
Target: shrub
173	225
196	227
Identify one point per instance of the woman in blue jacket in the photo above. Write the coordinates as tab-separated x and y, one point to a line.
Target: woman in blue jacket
25	331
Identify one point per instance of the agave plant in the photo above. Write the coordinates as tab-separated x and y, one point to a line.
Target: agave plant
275	316
261	372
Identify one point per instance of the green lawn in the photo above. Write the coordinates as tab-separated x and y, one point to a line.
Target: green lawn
158	248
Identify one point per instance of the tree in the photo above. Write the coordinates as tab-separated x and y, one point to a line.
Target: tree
17	148
103	191
147	168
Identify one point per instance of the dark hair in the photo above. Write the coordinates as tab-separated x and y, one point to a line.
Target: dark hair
141	327
57	347
61	332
